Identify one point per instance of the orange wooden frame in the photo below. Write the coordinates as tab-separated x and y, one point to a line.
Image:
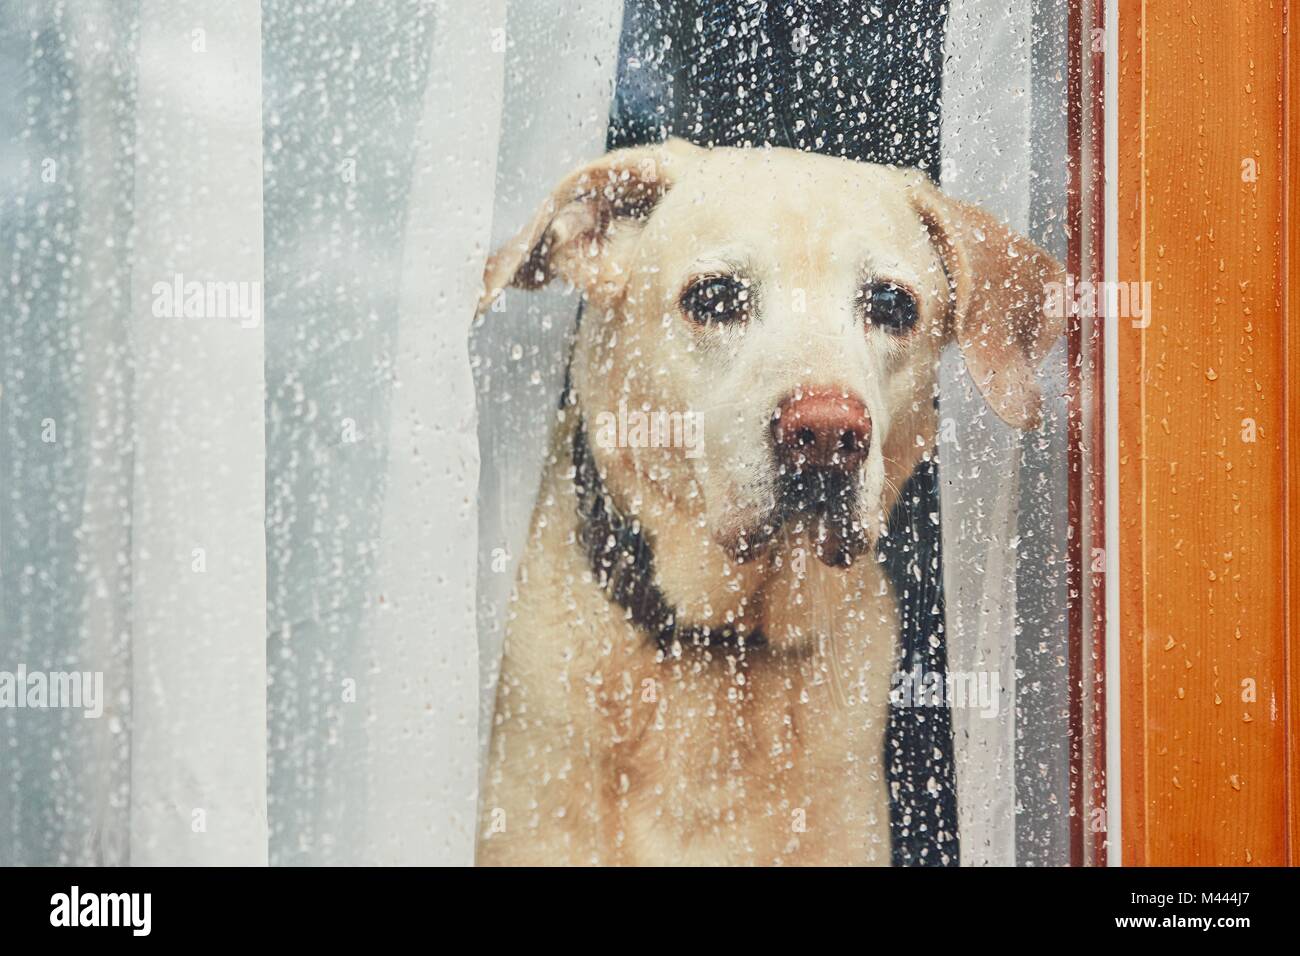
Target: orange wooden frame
1291	437
1209	583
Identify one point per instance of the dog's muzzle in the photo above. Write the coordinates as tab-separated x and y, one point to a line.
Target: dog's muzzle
820	438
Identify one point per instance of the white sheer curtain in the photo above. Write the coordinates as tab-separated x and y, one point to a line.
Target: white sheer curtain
422	737
1003	149
141	543
986	140
198	544
136	540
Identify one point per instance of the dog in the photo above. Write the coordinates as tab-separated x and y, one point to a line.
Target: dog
700	642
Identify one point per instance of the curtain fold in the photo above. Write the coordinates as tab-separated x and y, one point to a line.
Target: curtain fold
66	174
422	736
198	555
1003	495
986	160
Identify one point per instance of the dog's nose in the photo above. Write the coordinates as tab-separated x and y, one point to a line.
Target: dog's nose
822	428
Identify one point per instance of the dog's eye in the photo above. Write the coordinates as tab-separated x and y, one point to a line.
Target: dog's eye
720	299
890	307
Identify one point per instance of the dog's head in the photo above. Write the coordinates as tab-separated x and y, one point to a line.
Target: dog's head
793	306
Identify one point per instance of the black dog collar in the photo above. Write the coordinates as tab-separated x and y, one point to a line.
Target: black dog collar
622	560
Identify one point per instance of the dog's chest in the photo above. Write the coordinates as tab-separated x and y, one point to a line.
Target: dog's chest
755	754
725	756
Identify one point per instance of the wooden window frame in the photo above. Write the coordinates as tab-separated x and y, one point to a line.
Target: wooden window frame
1209	582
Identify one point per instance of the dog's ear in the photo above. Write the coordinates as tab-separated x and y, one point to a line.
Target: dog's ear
571	231
1000	285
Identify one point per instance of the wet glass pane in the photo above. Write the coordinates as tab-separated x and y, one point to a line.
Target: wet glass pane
641	432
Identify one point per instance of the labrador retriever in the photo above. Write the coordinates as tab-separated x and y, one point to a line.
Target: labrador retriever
701	639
